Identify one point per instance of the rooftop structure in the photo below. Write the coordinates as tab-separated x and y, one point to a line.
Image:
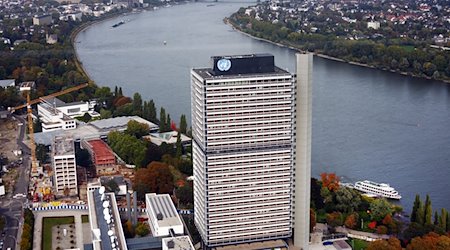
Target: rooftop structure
120	123
104	219
177	243
26	86
63	146
7	83
92	130
162	214
168	138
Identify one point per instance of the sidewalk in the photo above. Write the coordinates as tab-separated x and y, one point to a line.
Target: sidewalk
362	235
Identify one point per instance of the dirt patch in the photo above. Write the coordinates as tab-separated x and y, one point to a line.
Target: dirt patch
8	137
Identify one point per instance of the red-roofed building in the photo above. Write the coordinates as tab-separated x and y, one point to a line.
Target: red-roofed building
102	156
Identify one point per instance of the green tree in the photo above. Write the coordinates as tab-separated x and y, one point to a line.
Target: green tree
162	120
379	208
137	129
137	104
185	195
179	146
347	200
416	206
443	219
105	114
428	213
183	124
142	229
42	153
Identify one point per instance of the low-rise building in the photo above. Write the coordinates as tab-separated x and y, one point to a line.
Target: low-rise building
177	243
26	86
42	20
373	25
102	156
162	215
104	221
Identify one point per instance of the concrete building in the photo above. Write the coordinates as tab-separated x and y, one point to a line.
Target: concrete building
64	167
42	20
243	155
162	215
373	25
104	220
177	243
102	156
246	167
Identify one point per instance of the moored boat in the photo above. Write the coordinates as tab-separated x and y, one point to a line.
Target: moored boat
374	189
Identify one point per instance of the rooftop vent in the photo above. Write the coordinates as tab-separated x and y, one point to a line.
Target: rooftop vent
170	244
159	216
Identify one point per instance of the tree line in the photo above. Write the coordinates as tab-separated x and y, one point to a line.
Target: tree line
420	60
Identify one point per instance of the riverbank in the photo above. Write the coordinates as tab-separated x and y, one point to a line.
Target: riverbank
292	47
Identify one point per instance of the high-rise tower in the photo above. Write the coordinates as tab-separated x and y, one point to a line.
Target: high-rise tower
243	123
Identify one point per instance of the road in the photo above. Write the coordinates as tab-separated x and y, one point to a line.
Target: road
12	208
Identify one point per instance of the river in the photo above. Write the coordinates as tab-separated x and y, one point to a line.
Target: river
367	124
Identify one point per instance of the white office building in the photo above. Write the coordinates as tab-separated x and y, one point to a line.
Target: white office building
64	167
163	216
242	123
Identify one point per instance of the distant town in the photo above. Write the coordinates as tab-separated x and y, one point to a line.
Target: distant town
87	167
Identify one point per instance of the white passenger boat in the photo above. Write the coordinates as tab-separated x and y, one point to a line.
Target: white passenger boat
377	189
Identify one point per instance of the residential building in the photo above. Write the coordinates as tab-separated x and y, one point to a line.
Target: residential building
104	220
244	122
42	20
102	156
373	25
163	216
64	167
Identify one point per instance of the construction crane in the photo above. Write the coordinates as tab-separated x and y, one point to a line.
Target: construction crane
62	92
30	119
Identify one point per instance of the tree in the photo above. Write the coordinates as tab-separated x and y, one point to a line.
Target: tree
335	219
379	208
179	146
330	181
42	153
430	241
155	178
347	200
351	221
137	129
442	223
142	229
104	113
153	153
183	124
85	118
83	158
137	104
185	166
428	211
416	206
382	229
390	244
112	186
128	229
185	195
162	120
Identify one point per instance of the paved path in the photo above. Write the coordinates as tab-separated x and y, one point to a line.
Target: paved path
361	235
39	215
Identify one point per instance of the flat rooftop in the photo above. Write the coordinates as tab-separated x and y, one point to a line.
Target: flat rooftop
63	145
206	73
103	209
178	243
162	207
120	123
100	148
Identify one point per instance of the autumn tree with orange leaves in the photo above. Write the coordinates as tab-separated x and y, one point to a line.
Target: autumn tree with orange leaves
330	181
390	244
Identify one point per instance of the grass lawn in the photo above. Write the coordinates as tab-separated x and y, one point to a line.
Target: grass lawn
85	219
47	225
358	244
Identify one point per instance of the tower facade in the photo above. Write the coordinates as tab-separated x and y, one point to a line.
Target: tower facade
64	166
243	120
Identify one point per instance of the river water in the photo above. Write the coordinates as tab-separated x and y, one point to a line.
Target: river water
367	124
